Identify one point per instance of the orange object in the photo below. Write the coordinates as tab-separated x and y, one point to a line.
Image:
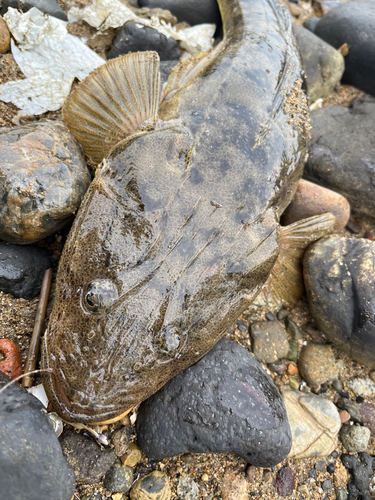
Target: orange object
12	364
292	369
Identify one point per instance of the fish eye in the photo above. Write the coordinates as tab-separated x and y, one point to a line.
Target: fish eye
168	341
100	295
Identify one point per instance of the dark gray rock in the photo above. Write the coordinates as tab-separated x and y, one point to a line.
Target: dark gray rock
22	269
165	70
340	286
351	407
32	466
342	153
353	23
310	24
230	405
89	462
190	11
269	341
50	7
323	65
118	479
43	178
135	38
361	468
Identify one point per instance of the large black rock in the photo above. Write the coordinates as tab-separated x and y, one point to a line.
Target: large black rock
323	64
22	269
191	11
223	403
342	153
340	284
353	23
135	38
50	7
32	465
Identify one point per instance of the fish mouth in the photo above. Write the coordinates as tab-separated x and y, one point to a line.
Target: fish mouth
74	412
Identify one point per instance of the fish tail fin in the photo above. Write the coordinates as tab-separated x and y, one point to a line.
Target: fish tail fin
113	101
284	286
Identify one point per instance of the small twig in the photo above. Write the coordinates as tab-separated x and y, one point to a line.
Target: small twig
39	322
49	370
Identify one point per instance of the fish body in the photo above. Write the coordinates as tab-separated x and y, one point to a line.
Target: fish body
180	228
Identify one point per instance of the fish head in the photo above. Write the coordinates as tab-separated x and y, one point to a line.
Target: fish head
151	277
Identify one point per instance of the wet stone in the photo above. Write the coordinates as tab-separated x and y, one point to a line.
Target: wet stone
311	23
32	466
22	269
323	65
353	24
342	152
361	468
314	422
190	11
43	179
284	482
293	351
89	462
354	438
135	38
121	439
187	488
341	494
316	364
311	199
294	330
154	486
118	478
227	389
339	281
269	342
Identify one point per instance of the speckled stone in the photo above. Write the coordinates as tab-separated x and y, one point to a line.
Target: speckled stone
367	411
187	488
355	438
340	285
234	487
154	486
118	478
43	178
362	386
269	341
314	422
228	389
316	364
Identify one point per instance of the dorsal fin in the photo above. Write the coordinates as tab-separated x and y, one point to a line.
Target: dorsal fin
113	101
285	282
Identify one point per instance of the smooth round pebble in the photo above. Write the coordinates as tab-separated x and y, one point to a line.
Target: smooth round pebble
341	494
187	488
4	37
154	486
355	438
118	478
316	364
269	341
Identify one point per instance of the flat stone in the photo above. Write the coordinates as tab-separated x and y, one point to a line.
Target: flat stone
22	269
355	438
190	11
32	465
339	280
316	364
187	488
269	341
284	482
135	38
353	24
118	478
43	178
311	199
342	152
154	486
323	65
89	462
228	389
314	422
234	487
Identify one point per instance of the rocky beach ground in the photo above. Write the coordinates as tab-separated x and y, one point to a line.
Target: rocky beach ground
293	345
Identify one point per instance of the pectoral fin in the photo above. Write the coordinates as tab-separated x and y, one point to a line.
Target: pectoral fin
284	285
116	99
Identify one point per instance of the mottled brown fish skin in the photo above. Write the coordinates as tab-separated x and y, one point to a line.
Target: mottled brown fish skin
181	224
